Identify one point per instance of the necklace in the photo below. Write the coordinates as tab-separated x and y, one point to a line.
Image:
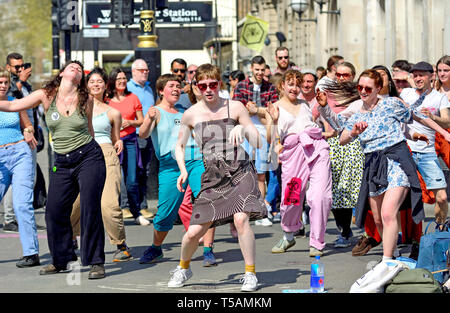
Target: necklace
70	105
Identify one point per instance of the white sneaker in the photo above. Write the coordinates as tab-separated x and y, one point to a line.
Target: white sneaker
263	222
140	220
250	282
179	277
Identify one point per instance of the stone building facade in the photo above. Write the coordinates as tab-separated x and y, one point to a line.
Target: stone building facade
364	32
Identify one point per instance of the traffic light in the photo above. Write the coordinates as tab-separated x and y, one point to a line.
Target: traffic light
122	12
68	14
65	15
127	12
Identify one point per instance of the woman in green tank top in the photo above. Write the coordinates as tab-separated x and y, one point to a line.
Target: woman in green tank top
79	167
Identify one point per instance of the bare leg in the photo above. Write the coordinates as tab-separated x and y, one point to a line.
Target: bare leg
246	237
375	205
159	236
262	185
393	198
441	207
190	240
208	238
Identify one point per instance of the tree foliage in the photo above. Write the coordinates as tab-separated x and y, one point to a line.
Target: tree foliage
26	28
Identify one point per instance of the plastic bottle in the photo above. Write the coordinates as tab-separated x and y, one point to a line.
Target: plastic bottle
317	276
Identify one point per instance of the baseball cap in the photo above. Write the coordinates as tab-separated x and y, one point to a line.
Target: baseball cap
309	71
422	67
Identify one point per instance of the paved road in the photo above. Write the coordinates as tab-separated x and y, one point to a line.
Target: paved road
275	272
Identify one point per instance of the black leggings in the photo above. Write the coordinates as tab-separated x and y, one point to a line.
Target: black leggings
80	171
343	218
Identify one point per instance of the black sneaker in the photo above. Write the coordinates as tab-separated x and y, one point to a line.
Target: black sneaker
12	227
97	271
300	233
28	261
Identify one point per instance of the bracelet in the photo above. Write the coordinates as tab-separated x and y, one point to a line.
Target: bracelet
28	130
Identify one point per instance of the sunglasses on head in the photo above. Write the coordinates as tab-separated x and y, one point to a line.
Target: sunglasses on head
368	89
182	70
203	87
342	75
284	57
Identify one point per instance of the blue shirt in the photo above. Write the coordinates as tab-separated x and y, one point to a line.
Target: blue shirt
145	95
183	103
384	123
165	135
10	126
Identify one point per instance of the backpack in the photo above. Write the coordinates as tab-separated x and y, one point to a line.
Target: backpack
417	280
375	280
433	252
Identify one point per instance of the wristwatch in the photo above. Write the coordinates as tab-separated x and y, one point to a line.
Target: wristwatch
28	130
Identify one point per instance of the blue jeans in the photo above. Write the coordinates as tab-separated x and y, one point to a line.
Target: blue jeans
273	193
130	176
16	169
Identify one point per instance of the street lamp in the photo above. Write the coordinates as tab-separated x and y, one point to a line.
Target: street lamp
300	6
321	3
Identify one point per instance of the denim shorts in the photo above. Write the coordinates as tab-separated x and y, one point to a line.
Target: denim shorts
263	162
430	169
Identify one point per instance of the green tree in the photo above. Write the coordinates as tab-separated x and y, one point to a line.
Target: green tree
26	27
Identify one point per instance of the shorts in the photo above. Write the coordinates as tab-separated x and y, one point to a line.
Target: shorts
263	158
396	178
430	169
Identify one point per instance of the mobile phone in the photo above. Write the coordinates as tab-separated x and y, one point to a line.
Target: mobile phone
26	65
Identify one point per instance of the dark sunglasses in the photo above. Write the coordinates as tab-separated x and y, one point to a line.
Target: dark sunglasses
182	70
285	57
203	87
361	88
18	67
343	75
192	72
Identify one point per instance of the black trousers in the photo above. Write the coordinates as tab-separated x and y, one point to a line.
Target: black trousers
81	171
343	218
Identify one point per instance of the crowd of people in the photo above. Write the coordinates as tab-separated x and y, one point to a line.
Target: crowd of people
289	145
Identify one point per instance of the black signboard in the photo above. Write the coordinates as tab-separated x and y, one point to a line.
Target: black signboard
99	13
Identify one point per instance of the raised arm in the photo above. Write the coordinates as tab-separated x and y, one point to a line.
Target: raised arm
28	102
150	121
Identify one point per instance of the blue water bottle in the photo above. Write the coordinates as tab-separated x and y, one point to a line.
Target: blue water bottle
317	276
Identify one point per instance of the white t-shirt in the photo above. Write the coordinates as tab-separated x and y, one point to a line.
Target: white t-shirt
434	102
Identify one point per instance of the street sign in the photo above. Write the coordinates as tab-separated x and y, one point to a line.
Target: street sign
95	32
98	13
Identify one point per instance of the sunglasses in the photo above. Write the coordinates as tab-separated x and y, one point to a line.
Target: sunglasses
203	87
361	88
343	75
281	58
18	67
182	70
192	72
142	70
